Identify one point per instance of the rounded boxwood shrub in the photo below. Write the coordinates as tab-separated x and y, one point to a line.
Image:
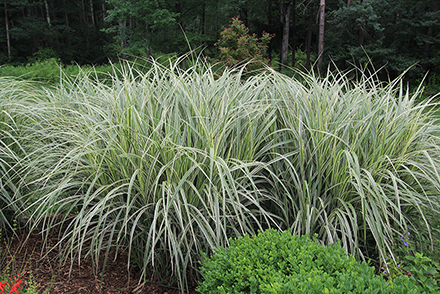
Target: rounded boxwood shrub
274	262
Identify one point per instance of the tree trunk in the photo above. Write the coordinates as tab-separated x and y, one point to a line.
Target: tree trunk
66	20
92	13
66	17
362	33
103	11
435	7
85	23
246	14
270	20
348	2
216	24
362	30
123	42
321	33
204	21
7	31
285	20
294	33
46	6
147	30
309	35
84	14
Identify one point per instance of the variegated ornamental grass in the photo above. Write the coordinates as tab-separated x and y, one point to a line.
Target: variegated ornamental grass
14	95
171	163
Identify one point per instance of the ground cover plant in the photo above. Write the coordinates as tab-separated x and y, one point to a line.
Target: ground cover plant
170	163
51	71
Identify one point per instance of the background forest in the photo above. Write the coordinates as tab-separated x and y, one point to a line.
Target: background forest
396	34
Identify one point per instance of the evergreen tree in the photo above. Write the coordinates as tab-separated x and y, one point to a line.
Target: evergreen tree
396	34
236	46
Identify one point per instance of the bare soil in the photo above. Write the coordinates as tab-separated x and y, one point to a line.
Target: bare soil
44	269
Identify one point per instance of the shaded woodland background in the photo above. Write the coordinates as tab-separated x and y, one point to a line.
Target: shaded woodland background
396	34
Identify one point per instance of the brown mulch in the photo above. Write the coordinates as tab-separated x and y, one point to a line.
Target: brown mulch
51	276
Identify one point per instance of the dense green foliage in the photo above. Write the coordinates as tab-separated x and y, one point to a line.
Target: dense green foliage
155	27
395	34
41	29
52	72
273	262
173	162
237	46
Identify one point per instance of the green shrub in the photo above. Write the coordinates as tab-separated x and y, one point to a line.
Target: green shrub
273	262
236	46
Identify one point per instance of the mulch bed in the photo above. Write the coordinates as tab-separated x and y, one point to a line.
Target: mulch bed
51	276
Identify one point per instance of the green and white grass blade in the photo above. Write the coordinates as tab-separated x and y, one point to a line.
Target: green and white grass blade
14	96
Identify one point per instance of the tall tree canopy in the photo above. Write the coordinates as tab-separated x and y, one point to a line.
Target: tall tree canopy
65	29
392	33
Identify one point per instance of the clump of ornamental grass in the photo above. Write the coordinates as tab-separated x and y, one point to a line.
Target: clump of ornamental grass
171	163
354	161
161	163
13	98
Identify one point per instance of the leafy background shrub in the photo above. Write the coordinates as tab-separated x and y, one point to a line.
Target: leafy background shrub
237	46
273	262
